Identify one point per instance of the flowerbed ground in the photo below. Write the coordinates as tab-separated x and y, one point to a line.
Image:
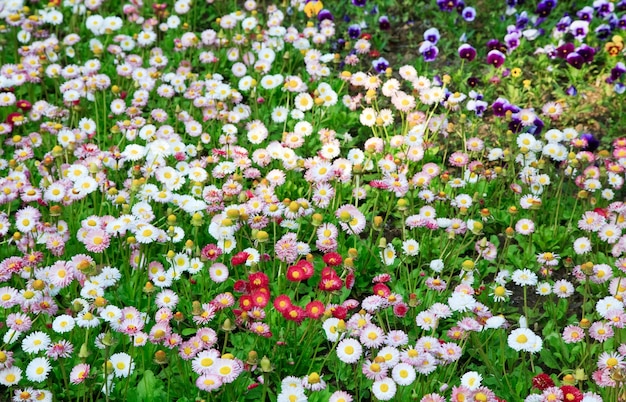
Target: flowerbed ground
350	201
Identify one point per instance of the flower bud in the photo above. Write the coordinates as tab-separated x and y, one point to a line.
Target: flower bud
253	357
266	365
149	288
378	222
160	357
467	265
227	326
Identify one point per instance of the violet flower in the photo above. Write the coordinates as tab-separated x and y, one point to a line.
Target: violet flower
592	142
521	20
383	23
544	8
446	5
579	29
575	60
380	65
571	91
585	14
603	31
499	107
432	35
325	14
563	23
496	58
565	49
603	8
512	41
467	52
429	51
587	52
616	72
354	31
468	14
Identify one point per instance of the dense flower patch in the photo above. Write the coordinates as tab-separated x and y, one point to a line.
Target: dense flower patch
255	201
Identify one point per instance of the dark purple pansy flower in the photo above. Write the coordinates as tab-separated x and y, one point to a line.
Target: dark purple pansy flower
472	82
380	65
515	125
359	3
603	31
621	5
354	31
512	108
565	49
621	24
429	51
383	23
522	20
325	14
586	52
467	52
592	142
537	127
499	107
494	44
618	71
575	60
460	5
544	8
446	5
495	58
585	14
468	14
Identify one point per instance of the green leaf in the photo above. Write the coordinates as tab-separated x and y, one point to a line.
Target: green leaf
149	388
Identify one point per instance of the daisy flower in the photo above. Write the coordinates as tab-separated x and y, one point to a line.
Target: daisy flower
384	389
208	382
340	396
563	288
35	342
227	369
403	374
10	376
351	220
471	380
372	336
611	360
123	365
523	339
524	277
38	369
525	226
601	331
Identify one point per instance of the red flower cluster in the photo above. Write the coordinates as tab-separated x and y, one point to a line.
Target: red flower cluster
314	309
330	280
301	271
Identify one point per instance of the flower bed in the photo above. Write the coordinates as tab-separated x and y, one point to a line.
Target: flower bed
242	201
